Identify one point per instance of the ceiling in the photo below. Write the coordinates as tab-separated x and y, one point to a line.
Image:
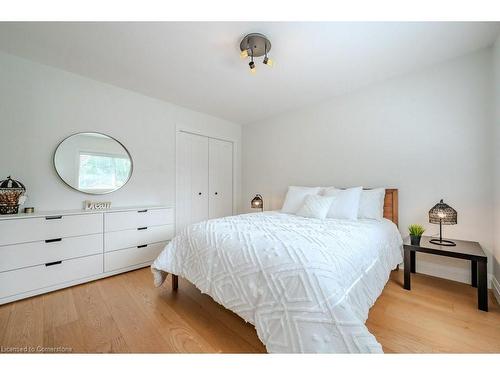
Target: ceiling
197	64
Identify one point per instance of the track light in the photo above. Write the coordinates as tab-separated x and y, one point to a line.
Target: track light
251	64
268	61
256	45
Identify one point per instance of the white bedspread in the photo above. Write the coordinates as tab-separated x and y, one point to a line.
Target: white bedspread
306	284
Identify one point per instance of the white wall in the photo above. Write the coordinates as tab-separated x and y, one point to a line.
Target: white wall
40	106
427	134
496	148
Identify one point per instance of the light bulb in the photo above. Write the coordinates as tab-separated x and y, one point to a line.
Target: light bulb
268	61
251	64
244	54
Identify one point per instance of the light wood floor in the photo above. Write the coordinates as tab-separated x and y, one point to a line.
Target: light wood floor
125	313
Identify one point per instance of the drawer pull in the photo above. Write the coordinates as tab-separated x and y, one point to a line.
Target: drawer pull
141	246
142	228
53	217
141	211
53	240
53	263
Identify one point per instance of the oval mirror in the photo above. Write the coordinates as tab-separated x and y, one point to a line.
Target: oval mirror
93	163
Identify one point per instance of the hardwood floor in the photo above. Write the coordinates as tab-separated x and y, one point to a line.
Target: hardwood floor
125	313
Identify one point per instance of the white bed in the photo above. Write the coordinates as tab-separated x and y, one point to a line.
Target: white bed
306	284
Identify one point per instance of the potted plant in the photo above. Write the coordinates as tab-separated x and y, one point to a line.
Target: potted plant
416	231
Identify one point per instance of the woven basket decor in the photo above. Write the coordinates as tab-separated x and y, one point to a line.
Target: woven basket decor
10	191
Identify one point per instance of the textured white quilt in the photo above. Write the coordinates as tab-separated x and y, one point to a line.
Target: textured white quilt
306	284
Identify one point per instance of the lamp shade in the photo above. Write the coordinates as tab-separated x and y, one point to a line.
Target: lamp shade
441	213
257	201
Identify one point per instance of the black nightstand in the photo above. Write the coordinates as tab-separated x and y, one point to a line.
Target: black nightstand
463	250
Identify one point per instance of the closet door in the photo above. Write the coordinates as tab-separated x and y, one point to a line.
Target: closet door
220	181
192	179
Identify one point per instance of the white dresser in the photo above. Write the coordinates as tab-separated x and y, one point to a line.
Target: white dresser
47	251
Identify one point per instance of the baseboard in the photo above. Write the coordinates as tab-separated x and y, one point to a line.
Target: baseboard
495	286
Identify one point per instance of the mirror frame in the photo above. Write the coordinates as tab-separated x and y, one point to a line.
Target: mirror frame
106	135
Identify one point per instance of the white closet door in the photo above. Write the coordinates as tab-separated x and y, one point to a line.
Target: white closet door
192	179
220	181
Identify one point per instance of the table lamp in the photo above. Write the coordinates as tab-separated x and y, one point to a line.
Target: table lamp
441	214
258	202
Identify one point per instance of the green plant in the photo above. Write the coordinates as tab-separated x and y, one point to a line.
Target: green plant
416	230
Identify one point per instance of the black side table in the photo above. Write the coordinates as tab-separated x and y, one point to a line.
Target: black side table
463	250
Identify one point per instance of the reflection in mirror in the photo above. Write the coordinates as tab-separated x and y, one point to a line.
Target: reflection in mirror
93	163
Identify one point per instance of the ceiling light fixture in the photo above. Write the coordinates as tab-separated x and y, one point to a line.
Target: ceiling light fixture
255	45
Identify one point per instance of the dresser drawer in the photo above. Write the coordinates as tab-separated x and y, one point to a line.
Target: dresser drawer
41	252
116	260
134	237
43	228
114	221
38	277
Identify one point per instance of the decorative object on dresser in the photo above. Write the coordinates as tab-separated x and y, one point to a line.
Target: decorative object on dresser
47	251
416	231
441	214
258	202
91	205
10	192
467	250
93	163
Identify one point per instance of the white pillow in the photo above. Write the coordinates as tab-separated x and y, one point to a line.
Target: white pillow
315	206
345	204
323	190
295	197
371	204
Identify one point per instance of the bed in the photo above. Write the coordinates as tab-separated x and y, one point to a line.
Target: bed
305	284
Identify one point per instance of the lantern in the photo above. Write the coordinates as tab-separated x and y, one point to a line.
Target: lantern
10	192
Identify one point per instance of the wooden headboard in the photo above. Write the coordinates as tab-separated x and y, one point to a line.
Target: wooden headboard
391	205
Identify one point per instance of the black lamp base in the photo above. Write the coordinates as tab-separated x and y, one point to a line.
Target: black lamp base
442	242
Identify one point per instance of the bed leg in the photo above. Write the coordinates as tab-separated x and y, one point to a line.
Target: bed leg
175	282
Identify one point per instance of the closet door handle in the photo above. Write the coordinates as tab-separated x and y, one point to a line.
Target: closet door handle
53	217
142	211
199	193
216	193
53	263
141	246
53	240
142	228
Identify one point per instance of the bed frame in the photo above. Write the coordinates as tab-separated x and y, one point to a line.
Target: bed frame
390	213
391	205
